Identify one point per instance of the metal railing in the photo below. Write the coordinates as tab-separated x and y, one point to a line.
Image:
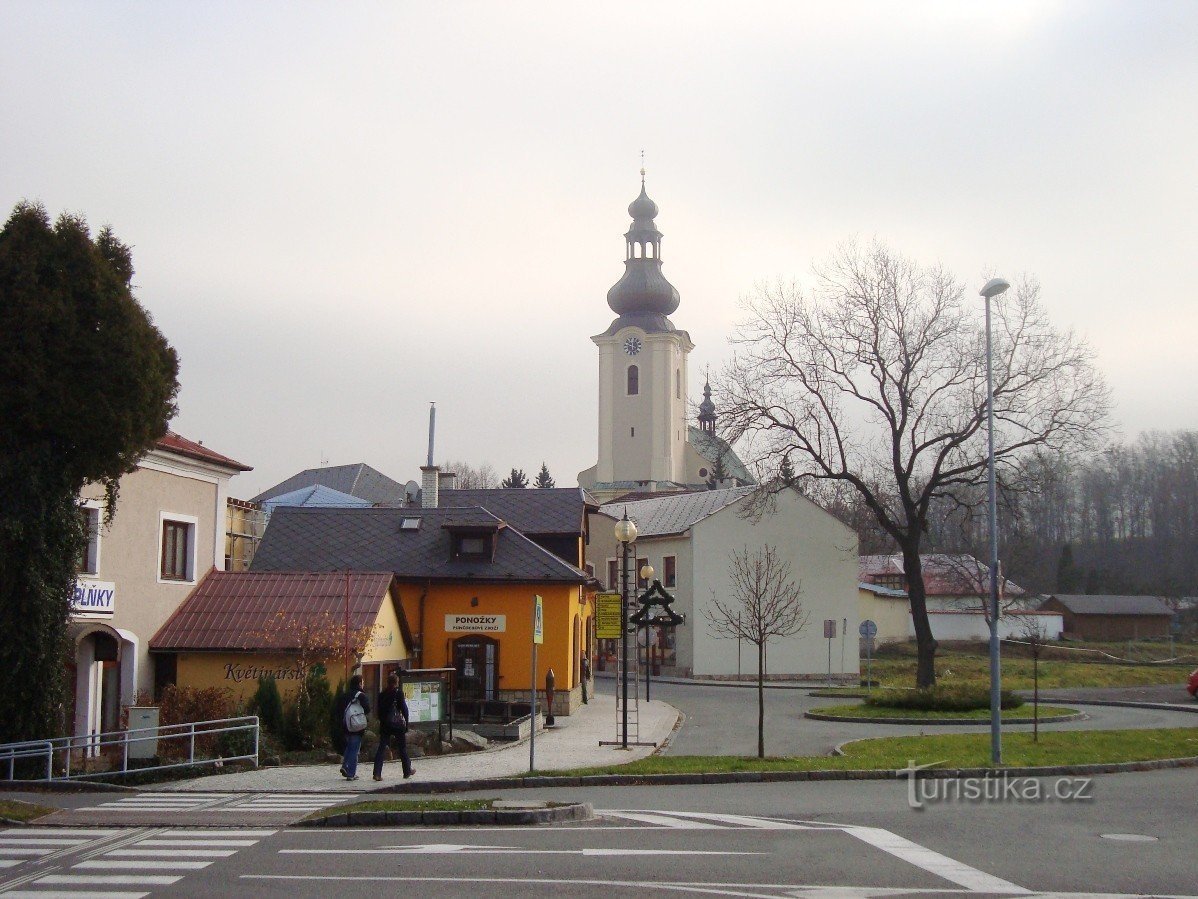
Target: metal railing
92	745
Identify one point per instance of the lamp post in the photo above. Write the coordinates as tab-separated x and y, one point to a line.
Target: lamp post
993	288
625	535
647	576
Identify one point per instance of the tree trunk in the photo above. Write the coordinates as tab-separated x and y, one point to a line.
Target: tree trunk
925	668
761	700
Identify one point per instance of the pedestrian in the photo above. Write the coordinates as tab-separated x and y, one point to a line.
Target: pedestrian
586	675
393	723
354	707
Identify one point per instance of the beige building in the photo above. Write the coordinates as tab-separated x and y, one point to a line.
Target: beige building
689	538
168	531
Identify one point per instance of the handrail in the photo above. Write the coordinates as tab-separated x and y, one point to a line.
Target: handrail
94	742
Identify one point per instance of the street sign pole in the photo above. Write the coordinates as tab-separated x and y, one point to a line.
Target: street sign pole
868	630
538	637
830	635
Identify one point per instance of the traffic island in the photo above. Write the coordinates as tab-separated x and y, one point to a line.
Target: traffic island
861	713
443	813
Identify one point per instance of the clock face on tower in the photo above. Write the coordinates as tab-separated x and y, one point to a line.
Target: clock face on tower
632	346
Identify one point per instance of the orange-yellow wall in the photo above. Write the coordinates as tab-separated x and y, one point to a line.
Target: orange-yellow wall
560	603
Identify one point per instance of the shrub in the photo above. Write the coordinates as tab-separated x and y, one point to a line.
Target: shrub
956	698
306	724
184	705
267	704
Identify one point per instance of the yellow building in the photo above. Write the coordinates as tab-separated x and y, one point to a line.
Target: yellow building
237	627
466	580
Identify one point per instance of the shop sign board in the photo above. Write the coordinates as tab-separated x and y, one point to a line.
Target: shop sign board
94	599
607	616
475	624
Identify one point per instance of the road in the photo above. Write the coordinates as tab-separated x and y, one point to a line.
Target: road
827	839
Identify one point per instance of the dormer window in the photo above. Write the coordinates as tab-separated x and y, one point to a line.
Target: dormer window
473	541
471	546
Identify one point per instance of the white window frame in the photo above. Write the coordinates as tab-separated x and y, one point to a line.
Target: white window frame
193	524
94	536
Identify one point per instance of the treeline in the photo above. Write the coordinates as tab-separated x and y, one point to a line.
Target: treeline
1122	521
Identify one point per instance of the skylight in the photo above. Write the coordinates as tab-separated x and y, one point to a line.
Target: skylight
410	524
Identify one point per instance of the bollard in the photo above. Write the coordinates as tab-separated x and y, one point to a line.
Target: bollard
549	722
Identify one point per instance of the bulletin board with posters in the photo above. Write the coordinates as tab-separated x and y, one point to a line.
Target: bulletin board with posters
429	695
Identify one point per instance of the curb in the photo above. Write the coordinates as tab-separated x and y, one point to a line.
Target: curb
63	786
578	811
1055	719
1130	704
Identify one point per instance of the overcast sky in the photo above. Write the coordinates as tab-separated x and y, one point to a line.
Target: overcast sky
342	211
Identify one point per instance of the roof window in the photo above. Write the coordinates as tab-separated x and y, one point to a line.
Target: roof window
410	524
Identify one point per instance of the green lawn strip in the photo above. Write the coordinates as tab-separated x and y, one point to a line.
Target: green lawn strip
15	810
404	805
860	710
950	750
1017	674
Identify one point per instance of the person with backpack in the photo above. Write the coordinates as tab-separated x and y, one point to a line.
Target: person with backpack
355	707
393	722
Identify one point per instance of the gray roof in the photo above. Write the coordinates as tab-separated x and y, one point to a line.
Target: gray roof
1113	605
358	480
531	510
675	513
372	540
712	447
316	495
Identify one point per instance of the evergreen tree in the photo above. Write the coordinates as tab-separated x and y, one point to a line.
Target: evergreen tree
87	386
267	704
786	472
1069	577
718	473
515	480
544	480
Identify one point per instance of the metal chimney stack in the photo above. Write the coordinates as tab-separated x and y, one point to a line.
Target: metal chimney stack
430	479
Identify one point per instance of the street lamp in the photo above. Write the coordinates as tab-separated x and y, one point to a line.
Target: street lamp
625	535
993	288
647	577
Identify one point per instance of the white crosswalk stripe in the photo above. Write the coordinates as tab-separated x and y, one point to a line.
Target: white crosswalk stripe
675	820
285	802
161	802
32	843
160	858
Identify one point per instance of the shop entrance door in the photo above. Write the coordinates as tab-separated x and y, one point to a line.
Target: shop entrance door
477	662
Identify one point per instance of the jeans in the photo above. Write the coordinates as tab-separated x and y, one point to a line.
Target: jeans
380	754
353	743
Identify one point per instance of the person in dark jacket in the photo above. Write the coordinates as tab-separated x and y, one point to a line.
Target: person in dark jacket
392	705
353	739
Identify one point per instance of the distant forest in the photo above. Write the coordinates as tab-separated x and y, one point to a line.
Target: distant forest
1124	521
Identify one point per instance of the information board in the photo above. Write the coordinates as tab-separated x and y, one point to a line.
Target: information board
424	698
607	616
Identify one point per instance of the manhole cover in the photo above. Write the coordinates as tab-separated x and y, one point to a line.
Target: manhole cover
1129	837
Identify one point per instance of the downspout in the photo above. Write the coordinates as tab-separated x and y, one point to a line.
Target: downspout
423	594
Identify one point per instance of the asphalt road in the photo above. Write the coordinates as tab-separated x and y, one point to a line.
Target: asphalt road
801	839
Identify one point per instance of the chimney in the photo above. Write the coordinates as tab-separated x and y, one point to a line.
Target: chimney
449	480
430	481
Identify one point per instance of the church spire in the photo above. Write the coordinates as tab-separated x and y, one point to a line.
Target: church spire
643	288
707	409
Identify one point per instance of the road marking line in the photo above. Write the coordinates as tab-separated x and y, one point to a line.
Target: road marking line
135	864
14	850
5	842
196	843
71	894
222	832
113	879
663	820
10	862
933	862
181	853
458	849
88	832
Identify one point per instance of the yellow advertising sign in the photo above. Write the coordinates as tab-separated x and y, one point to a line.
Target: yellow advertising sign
607	616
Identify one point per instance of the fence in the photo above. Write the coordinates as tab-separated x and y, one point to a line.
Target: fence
90	745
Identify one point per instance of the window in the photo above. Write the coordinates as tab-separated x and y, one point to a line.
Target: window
89	560
634	380
678	383
178	549
641	583
410	524
471	545
613	574
669	571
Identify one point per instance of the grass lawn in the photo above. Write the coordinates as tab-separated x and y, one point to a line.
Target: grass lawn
896	668
860	710
404	805
949	750
15	810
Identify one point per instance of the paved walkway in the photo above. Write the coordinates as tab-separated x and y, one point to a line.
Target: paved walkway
573	743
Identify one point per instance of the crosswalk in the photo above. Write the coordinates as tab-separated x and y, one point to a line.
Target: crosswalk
299	803
162	802
675	820
126	868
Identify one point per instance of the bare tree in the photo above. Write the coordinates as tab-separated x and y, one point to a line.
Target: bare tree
877	379
473	476
764	603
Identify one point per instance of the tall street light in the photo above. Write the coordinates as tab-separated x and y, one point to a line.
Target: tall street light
993	288
625	535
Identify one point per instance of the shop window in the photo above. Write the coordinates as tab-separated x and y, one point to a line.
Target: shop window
89	560
669	571
178	550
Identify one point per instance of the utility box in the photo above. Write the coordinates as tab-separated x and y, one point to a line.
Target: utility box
143	745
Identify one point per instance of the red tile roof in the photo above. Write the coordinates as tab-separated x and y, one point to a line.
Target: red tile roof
943	574
241	610
174	443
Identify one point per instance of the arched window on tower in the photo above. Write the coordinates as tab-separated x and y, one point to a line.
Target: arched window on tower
648	251
634	380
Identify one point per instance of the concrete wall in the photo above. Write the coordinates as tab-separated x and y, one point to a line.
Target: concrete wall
973	626
892	615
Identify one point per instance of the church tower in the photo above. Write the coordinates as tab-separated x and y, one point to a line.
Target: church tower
642	370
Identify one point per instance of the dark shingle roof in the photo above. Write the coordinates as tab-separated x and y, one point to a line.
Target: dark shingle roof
1113	605
358	480
373	540
676	513
242	610
560	510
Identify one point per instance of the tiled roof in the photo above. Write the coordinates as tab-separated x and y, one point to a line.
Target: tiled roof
532	510
674	513
375	540
943	574
358	480
1113	605
316	495
175	443
242	610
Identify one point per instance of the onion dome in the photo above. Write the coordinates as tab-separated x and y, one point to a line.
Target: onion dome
707	410
643	290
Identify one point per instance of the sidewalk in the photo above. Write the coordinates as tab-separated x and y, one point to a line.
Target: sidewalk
573	743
